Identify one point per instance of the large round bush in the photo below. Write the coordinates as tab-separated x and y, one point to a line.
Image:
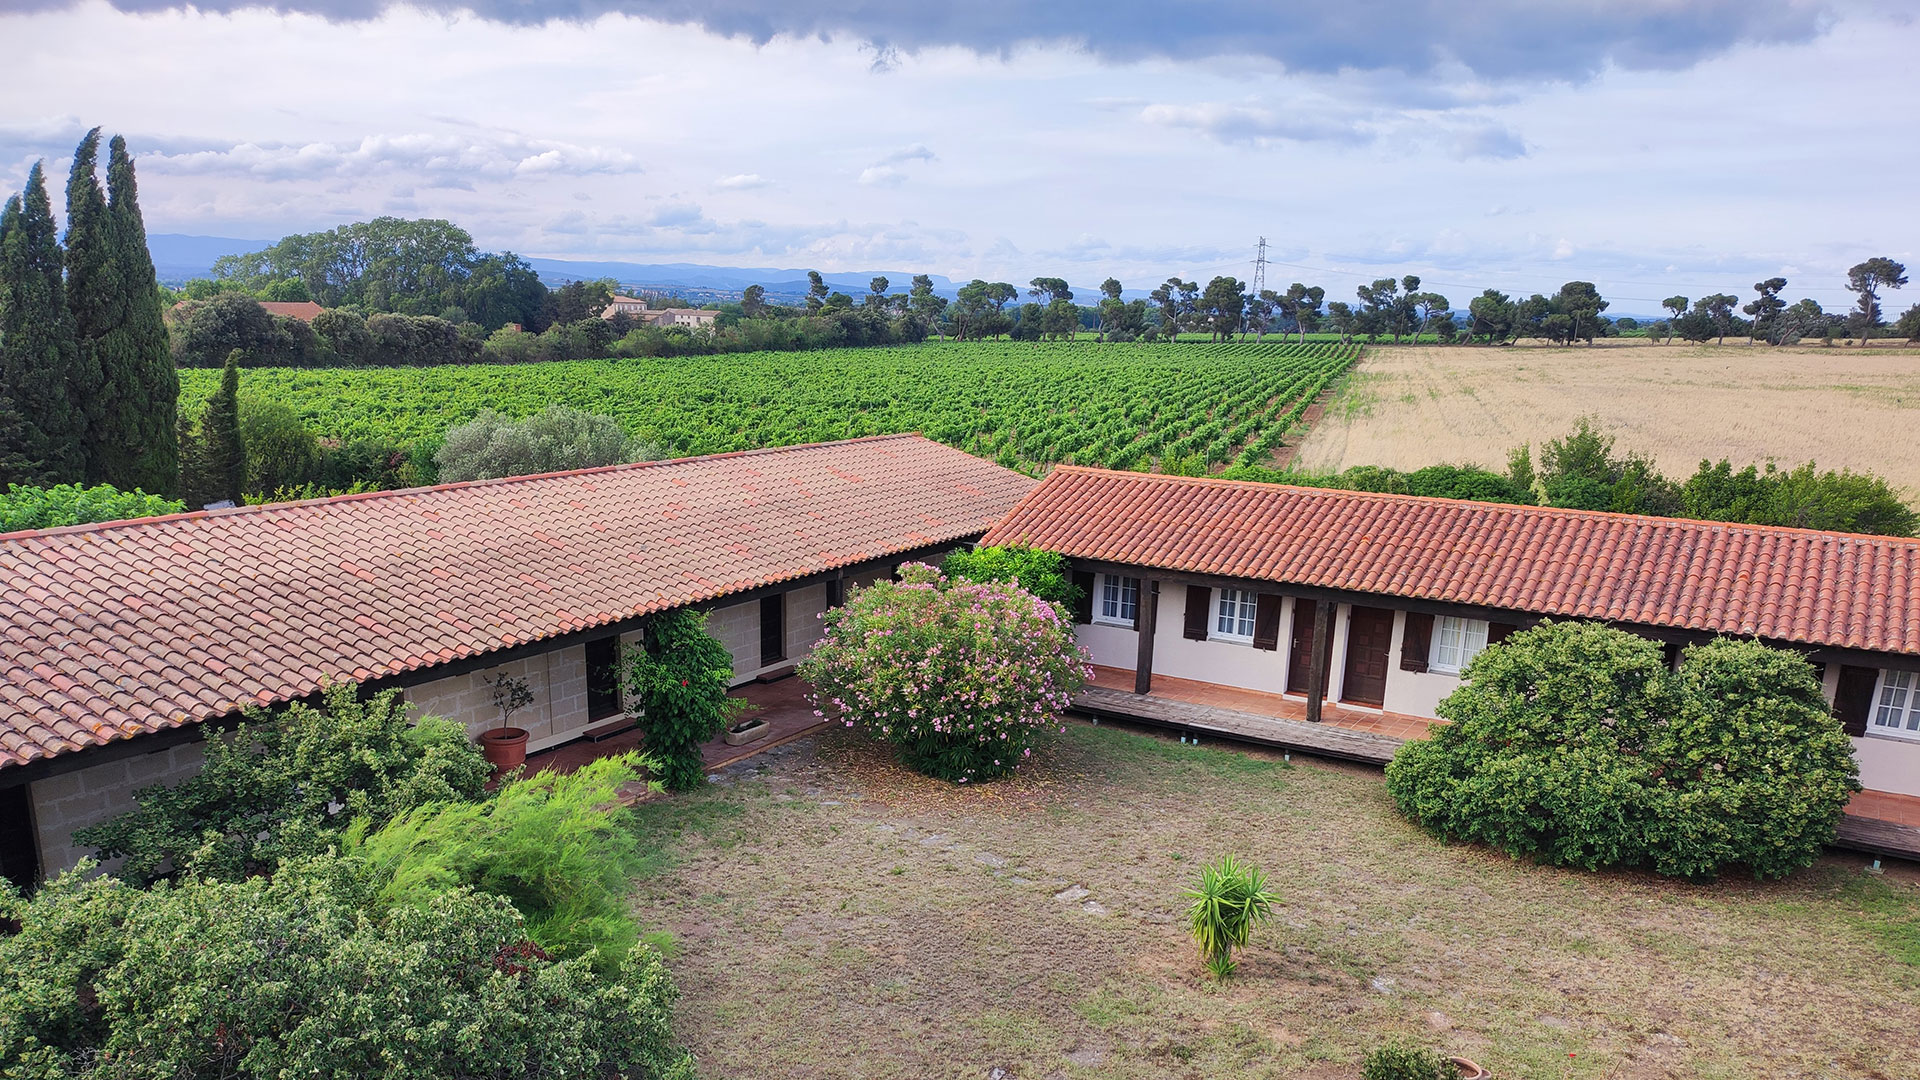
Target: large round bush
961	676
1573	743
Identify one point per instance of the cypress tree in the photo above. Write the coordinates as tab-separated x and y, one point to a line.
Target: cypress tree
136	445
14	466
38	359
92	296
223	456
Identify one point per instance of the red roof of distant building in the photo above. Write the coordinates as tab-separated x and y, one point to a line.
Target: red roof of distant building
304	310
114	630
1796	585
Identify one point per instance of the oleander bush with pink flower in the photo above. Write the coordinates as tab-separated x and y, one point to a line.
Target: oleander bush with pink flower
964	678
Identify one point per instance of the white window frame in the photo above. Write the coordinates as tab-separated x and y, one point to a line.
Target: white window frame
1124	589
1896	696
1468	638
1234	609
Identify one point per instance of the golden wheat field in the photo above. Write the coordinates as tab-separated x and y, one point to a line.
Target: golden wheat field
1411	406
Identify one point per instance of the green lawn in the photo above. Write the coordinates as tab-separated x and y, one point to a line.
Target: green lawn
832	915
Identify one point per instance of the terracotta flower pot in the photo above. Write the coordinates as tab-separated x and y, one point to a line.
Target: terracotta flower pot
1468	1070
504	748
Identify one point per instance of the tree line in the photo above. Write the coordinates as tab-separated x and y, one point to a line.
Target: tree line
88	391
1583	471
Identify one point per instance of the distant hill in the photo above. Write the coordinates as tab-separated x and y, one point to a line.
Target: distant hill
178	257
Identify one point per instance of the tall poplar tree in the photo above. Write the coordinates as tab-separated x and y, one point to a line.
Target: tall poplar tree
93	295
137	446
38	359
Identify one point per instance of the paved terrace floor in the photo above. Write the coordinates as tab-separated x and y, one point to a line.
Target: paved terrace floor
782	704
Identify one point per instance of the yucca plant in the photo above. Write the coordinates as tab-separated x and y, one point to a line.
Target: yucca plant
1232	897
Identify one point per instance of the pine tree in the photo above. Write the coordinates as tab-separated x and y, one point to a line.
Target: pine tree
136	445
38	359
93	295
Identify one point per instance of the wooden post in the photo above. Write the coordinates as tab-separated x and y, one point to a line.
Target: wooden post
1149	617
1317	666
836	591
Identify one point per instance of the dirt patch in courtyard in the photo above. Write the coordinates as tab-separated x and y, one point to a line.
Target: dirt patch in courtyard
835	916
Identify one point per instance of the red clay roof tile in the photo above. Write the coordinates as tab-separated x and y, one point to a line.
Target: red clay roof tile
1795	585
262	603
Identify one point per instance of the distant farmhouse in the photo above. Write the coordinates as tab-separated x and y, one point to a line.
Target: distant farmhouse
304	310
636	307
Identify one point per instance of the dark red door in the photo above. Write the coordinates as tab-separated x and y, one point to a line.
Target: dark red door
1300	650
1369	634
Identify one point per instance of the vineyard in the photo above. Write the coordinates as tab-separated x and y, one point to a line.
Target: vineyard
1024	405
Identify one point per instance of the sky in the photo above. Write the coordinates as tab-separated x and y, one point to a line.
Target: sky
1650	146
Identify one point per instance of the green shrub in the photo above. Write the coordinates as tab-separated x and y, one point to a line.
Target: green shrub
554	439
289	784
961	676
1042	573
680	679
1397	1062
1754	770
1232	897
70	504
290	975
559	846
1573	744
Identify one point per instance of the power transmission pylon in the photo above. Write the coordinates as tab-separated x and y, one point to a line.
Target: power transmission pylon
1260	268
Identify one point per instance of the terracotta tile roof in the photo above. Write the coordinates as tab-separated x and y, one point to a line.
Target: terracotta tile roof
304	310
109	631
1795	585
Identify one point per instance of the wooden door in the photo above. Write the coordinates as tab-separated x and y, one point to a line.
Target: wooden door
1369	634
1300	650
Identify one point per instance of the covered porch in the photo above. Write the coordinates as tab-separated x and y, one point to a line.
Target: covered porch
1254	716
782	703
1876	822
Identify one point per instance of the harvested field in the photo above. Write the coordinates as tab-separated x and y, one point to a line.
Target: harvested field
835	916
1420	405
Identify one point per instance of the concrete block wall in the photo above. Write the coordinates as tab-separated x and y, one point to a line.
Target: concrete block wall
557	678
90	796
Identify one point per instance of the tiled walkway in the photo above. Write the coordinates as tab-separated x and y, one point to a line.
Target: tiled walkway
1284	706
783	705
1886	806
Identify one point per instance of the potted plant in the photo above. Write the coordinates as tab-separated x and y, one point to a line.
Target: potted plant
741	732
505	747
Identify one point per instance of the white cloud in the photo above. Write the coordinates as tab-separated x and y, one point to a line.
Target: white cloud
429	157
1058	155
889	171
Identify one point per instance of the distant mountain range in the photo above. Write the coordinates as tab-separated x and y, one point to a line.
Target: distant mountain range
177	257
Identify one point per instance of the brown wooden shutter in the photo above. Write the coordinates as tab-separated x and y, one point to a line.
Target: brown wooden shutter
1417	643
1499	631
1199	609
1853	700
1082	596
1266	622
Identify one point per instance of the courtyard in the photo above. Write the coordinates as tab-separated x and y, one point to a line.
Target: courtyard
832	914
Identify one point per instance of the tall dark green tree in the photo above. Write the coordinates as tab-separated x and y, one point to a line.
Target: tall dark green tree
214	460
39	363
93	294
134	443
